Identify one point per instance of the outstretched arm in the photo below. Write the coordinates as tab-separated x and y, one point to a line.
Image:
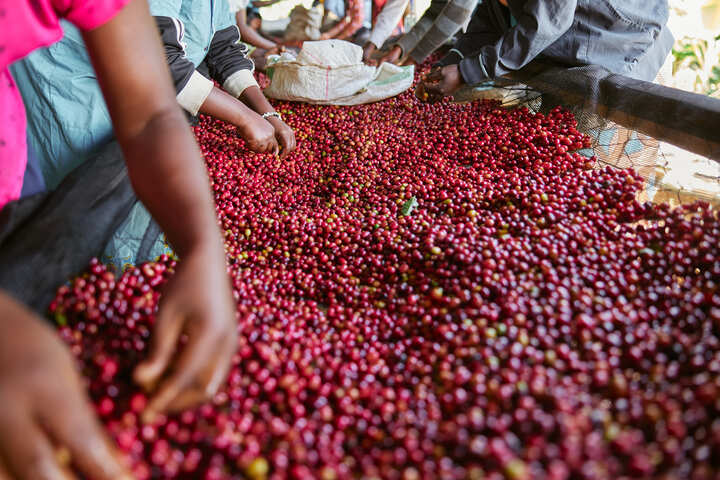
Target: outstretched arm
197	94
249	35
168	174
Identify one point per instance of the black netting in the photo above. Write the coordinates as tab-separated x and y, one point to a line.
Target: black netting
670	137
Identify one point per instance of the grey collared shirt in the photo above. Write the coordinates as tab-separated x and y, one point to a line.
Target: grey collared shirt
629	37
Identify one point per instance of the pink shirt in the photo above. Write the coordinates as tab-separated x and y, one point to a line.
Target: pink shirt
24	26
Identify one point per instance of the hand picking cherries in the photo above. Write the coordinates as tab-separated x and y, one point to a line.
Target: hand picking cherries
430	291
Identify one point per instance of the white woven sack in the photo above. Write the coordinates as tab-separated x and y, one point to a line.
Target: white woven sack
304	24
332	72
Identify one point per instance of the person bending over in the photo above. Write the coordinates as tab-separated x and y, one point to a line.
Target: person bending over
200	38
628	37
440	22
197	37
385	22
43	403
248	32
351	22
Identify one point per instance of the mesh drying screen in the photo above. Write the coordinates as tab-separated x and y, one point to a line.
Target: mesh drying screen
670	137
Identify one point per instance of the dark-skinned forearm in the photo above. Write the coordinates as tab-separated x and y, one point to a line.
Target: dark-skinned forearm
254	98
224	106
170	179
165	165
249	35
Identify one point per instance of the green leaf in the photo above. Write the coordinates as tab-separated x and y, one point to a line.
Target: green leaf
60	319
408	207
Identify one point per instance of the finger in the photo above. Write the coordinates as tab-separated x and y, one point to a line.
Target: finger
272	146
434	76
215	376
187	399
217	379
432	98
433	88
164	343
78	429
185	374
286	147
437	71
30	454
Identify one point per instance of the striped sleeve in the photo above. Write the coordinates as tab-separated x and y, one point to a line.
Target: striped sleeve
408	41
452	18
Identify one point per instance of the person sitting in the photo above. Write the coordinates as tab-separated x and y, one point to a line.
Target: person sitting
628	37
437	26
195	334
349	24
249	22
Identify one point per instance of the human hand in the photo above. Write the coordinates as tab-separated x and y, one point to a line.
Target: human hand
393	56
44	407
368	51
440	82
276	50
258	133
197	305
284	135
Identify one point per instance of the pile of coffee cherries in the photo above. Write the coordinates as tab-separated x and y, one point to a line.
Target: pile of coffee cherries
430	291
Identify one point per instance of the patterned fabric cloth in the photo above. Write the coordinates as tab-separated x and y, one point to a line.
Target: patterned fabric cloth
25	26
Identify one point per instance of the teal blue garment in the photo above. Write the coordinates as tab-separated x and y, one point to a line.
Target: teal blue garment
123	248
67	118
200	18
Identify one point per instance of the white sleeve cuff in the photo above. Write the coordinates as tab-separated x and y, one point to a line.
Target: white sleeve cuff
239	81
194	93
